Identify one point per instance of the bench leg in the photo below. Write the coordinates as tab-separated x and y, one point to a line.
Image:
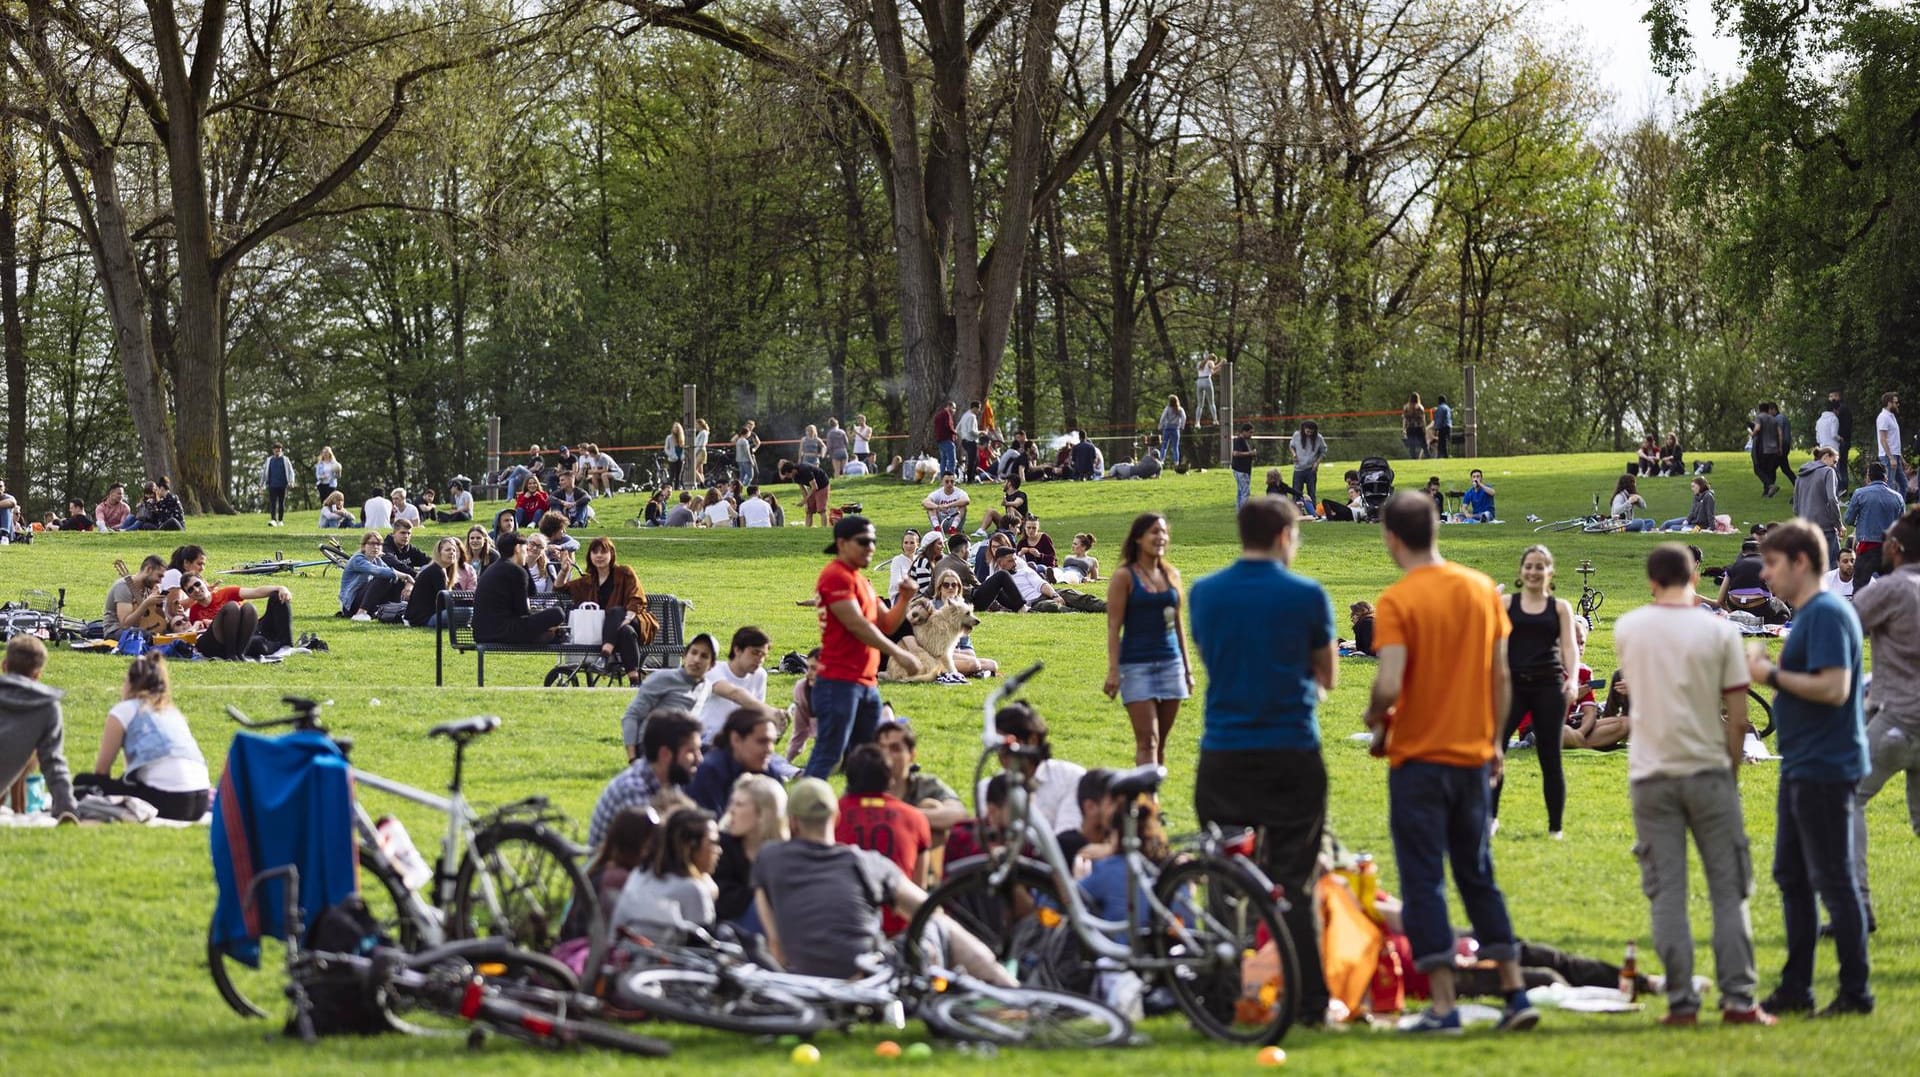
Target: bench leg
480	667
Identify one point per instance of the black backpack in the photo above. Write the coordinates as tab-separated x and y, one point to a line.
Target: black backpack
339	1006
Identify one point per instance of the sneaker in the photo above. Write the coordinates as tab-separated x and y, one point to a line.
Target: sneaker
363	615
1493	826
1778	1004
1430	1025
316	644
1842	1006
1557	835
1518	1019
1680	1019
1752	1015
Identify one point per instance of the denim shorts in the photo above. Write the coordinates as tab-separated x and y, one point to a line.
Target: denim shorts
1141	681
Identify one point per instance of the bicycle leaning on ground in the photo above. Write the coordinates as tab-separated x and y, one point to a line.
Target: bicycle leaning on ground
1596	522
507	874
1206	923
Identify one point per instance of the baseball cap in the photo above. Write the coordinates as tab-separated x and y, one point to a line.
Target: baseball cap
848	527
810	800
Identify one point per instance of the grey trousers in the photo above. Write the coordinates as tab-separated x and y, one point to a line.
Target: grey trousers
1706	805
1893	749
1204	403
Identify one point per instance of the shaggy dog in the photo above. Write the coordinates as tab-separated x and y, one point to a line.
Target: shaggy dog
935	633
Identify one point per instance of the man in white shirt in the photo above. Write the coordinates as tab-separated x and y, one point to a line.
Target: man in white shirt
1840	580
1015	585
1887	445
402	508
738	683
377	513
947	505
1686	666
754	511
968	431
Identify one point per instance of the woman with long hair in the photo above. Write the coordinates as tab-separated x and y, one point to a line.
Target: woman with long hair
756	817
326	474
702	433
333	512
1413	427
531	502
1626	500
677	889
716	511
616	589
675	452
1700	516
164	765
946	589
478	552
1147	663
1673	460
1543	657
812	446
1173	419
901	564
440	574
626	848
862	440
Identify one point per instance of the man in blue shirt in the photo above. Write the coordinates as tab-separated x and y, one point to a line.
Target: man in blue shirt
1872	509
1442	427
1478	500
1266	636
1823	756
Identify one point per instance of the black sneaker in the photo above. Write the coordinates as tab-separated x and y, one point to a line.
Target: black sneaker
1842	1006
316	644
1518	1019
1779	1004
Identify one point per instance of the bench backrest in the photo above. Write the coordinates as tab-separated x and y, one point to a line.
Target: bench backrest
670	611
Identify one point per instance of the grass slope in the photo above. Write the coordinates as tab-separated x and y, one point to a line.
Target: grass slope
103	926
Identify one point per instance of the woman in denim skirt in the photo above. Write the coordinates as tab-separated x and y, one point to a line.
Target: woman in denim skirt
1147	663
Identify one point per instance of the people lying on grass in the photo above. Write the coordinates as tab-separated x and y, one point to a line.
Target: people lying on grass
682	513
900	565
478	551
715	511
1094	837
908	782
1700	516
400	550
1355	507
946	506
334	514
682	688
743	745
1080	566
1014	586
1146	467
1647	460
1627	504
444	573
740	683
1360	614
531	503
756	817
675	891
1673	459
1013	508
501	609
946	590
136	600
31	724
1056	781
820	902
230	628
1477	502
572	502
371	579
873	818
800	713
113	511
188	560
164	766
973	836
76	518
1600	727
1474	977
660	765
616	589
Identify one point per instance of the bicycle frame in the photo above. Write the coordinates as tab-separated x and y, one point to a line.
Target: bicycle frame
454	846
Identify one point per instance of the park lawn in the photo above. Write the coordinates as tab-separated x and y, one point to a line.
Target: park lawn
103	926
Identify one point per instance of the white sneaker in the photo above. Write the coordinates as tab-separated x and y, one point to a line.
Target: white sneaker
363	615
1493	827
1557	835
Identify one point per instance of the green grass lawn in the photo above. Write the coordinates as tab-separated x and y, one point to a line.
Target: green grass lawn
101	962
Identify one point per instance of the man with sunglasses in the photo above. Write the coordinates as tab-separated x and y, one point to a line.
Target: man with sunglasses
853	634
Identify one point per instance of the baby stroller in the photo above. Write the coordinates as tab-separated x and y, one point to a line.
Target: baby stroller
1376	485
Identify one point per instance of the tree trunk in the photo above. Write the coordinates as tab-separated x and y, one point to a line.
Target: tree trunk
14	332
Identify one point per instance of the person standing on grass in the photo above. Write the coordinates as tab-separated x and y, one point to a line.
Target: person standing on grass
944	431
1843	434
1173	418
1544	662
276	474
1683	766
854	633
1442	684
1442	428
968	431
1266	637
1871	510
1823	756
1890	612
1816	497
1242	452
1887	446
816	487
1147	663
1308	449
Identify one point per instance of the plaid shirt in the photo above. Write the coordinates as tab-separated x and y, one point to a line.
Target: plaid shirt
635	785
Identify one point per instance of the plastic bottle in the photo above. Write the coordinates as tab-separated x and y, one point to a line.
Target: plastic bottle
1366	880
1389	981
1630	970
399	847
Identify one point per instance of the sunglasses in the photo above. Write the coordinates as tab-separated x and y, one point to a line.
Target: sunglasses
864	540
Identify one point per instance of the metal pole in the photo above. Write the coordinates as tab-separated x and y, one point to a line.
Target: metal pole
493	456
1470	413
1223	403
690	418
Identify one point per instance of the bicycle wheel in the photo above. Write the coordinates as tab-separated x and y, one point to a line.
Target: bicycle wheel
696	997
536	882
1238	982
249	990
1024	1017
1005	918
1762	723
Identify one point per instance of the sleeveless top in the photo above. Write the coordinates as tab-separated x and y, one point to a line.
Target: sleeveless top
160	749
1146	635
1534	648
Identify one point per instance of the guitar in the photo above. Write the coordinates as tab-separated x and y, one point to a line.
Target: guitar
150	614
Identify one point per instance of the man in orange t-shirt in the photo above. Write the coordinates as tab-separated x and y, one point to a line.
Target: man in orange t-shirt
853	634
1441	634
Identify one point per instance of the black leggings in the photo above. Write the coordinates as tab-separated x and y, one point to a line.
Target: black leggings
1000	588
184	807
237	631
625	640
535	627
277	502
377	591
1544	698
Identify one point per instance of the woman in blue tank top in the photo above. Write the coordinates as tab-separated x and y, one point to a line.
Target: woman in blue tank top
1146	647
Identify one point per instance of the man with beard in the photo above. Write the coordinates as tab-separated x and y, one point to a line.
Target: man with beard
669	751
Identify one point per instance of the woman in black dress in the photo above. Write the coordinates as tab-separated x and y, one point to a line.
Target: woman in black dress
1544	660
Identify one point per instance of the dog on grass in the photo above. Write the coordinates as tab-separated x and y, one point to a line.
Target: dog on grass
936	632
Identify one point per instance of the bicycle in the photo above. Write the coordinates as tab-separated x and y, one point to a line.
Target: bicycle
486	984
1591	598
506	874
1596	522
1210	910
717	986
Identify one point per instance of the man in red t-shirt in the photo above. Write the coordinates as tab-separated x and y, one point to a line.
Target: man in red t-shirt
853	634
871	818
944	431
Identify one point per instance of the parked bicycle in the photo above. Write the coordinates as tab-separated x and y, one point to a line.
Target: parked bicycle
1206	923
1597	522
715	985
1591	597
481	985
507	874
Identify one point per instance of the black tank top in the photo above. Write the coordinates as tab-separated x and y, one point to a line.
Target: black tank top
1534	648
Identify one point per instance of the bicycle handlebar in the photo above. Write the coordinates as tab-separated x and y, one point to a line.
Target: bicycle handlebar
989	736
306	715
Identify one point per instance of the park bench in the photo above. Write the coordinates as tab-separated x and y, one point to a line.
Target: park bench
456	632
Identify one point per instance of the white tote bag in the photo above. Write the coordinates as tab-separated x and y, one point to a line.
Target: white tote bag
585	624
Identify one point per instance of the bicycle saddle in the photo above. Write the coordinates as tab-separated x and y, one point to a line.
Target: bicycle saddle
465	727
1142	779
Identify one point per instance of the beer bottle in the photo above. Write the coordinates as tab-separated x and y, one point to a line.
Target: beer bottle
1630	970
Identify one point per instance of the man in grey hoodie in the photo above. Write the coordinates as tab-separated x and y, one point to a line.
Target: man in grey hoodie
30	722
1816	497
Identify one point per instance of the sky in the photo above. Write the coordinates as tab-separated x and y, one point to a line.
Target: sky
1616	41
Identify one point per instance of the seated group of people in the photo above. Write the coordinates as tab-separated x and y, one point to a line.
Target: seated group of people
383	510
175	597
1015	566
159	509
590	468
1659	458
731	505
534	500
